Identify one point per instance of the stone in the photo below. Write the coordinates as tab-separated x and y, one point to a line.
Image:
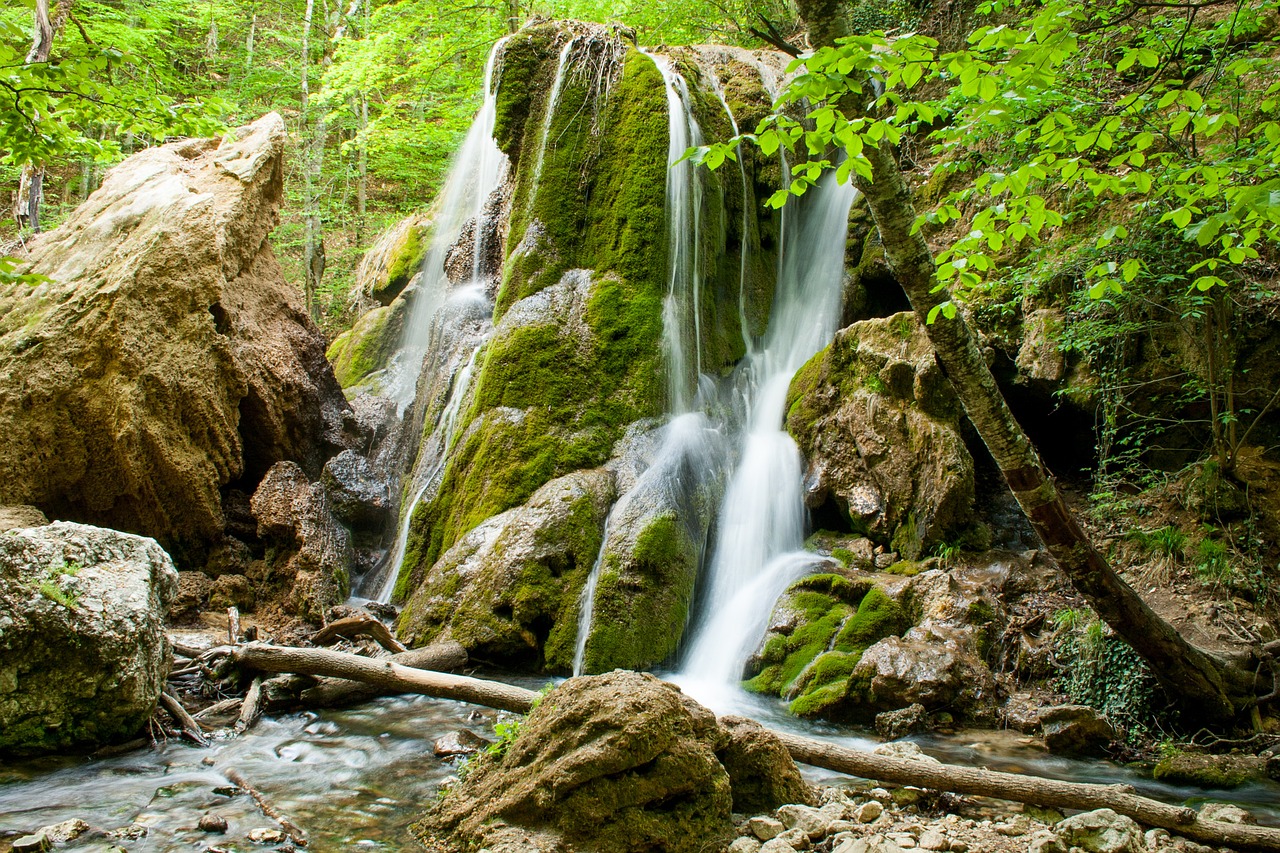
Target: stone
811	821
507	591
765	828
101	593
761	771
313	550
192	596
1226	813
66	831
792	839
212	822
1014	827
1040	356
1075	730
21	516
357	495
34	843
232	591
1101	831
889	453
1157	838
744	845
928	669
868	811
607	762
906	750
931	839
461	742
905	721
167	356
1045	841
1210	771
266	836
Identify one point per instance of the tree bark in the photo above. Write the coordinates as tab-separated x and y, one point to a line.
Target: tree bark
313	261
1204	685
923	774
383	673
31	183
341	692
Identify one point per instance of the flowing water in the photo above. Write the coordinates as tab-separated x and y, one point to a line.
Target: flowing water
553	99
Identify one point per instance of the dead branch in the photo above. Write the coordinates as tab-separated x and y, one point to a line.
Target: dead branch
190	728
295	833
341	692
358	626
251	709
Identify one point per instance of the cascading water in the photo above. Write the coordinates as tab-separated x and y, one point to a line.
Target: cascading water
477	171
761	520
553	99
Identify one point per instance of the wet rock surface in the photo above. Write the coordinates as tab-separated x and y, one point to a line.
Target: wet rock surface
167	357
83	654
616	762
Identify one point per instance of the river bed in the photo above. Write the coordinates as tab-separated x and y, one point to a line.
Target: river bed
355	779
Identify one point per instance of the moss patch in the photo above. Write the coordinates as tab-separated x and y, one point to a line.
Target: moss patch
366	347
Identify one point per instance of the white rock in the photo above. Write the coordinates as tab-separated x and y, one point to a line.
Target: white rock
868	811
1226	813
1045	841
744	845
812	821
1101	831
765	828
1157	838
931	839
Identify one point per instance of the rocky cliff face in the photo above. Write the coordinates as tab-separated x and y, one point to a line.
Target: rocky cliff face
164	362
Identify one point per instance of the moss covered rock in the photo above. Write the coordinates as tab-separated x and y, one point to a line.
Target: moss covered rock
83	653
1210	771
359	353
509	590
616	763
393	260
879	428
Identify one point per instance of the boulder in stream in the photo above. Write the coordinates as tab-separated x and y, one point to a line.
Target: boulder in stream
83	654
611	763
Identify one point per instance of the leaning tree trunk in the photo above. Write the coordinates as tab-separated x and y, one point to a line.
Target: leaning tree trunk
1204	685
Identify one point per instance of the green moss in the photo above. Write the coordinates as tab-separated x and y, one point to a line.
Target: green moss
1209	771
365	348
803	406
878	616
641	606
844	555
403	264
828	686
523	59
906	568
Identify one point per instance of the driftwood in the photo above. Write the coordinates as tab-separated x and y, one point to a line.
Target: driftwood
295	833
233	625
383	673
251	709
342	692
217	709
359	626
190	727
944	777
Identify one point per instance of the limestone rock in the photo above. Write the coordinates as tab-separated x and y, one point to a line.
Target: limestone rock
1101	831
1226	813
313	550
763	774
508	591
394	259
1076	729
912	719
928	669
83	654
167	357
616	762
356	494
1040	355
192	595
461	742
1210	771
879	428
360	354
764	828
20	516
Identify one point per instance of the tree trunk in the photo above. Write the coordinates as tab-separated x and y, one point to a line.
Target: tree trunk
1203	685
26	211
925	774
313	236
248	41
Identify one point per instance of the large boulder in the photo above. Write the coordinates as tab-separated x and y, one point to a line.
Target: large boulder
83	654
509	590
879	427
164	360
613	763
310	555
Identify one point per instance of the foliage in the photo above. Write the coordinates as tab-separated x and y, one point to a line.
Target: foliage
1100	670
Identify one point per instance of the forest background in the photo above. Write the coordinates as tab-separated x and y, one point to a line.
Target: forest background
377	95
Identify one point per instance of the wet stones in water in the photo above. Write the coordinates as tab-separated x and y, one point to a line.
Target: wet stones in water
266	835
910	720
461	742
1076	730
213	822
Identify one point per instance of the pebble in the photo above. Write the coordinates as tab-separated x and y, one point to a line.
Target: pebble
1157	838
933	840
1016	826
744	845
34	843
213	822
68	830
813	822
880	794
765	828
868	811
263	835
958	846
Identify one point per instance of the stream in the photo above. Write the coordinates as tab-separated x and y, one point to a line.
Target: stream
355	779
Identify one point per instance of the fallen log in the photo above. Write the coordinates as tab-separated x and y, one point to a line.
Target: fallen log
251	709
189	726
921	774
359	626
342	692
384	673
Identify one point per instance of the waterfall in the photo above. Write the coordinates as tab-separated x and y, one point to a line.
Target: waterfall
760	536
440	312
552	100
681	319
476	172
